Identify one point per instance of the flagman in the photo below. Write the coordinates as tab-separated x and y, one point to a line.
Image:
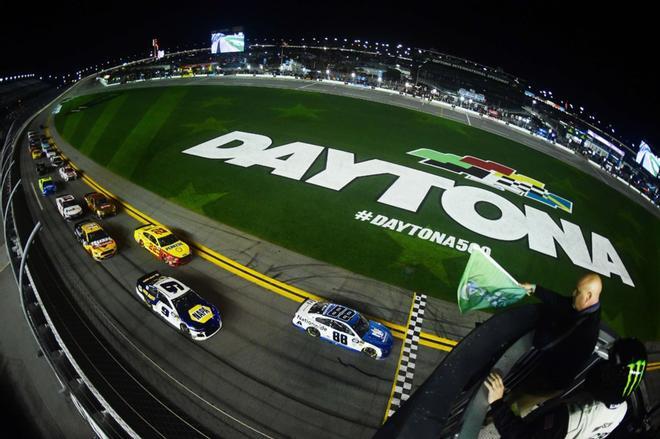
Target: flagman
566	334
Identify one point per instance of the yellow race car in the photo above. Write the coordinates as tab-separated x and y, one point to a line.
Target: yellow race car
163	244
95	240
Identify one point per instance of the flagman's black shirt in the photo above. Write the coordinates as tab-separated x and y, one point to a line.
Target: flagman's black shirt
563	361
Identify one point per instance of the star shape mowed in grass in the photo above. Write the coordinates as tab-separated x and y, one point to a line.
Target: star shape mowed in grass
208	124
298	111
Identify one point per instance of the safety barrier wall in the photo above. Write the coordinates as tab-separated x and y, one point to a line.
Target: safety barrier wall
18	226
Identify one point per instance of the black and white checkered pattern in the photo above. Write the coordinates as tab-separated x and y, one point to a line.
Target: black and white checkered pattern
406	372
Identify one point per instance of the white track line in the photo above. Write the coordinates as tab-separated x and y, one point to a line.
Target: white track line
34	191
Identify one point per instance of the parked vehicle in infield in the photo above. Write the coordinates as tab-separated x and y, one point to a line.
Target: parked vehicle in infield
95	240
36	154
163	244
47	186
179	305
57	161
43	168
68	207
100	205
67	173
345	327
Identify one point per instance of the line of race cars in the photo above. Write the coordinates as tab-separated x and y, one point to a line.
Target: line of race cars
169	298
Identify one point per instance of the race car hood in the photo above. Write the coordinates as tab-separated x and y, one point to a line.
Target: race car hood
104	242
378	335
200	315
107	207
178	249
73	210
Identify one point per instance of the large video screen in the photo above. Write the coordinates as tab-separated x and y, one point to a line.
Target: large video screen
227	43
647	159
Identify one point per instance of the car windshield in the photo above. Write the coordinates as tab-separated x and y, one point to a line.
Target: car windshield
186	301
318	308
361	326
101	201
96	235
167	240
69	203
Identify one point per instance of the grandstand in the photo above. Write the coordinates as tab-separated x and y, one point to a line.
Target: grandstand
423	73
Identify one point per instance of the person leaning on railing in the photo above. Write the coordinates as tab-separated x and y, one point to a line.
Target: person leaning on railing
594	413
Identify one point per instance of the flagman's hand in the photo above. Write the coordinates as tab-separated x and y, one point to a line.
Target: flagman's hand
495	387
530	288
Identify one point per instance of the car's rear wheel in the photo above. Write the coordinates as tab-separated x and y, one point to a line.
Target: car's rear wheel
371	352
313	331
141	243
184	330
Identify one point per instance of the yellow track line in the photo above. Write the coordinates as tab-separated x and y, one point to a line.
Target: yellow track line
289	291
398	362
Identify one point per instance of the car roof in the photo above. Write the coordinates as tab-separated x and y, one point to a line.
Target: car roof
158	231
90	227
350	322
158	282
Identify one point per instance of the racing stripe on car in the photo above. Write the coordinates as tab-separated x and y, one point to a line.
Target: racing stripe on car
289	291
405	372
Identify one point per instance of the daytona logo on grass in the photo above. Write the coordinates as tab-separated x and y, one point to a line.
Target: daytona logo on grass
410	190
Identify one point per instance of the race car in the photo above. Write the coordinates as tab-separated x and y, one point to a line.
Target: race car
57	161
47	186
178	305
67	173
68	207
345	327
36	154
95	240
162	243
42	168
50	152
100	205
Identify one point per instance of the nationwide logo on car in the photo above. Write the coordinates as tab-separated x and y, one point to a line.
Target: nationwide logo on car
493	174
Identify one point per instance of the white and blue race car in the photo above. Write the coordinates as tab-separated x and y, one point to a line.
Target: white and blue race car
179	306
345	327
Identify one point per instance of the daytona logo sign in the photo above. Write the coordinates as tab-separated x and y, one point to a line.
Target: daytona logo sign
410	189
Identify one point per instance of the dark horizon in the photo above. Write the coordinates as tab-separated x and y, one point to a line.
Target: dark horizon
596	58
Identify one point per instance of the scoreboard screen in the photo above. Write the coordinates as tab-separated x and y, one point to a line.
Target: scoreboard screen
227	43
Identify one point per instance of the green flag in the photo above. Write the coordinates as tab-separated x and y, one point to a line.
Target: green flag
486	285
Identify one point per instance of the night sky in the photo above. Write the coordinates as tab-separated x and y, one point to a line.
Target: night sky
599	57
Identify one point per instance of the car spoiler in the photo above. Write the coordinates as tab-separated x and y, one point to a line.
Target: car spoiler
148	278
144	226
92	193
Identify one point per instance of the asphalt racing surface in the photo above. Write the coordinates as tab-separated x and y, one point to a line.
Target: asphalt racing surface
259	376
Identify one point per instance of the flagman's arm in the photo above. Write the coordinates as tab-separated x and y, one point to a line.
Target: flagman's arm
545	295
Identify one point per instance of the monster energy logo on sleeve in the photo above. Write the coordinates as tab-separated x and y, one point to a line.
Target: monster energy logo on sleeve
635	373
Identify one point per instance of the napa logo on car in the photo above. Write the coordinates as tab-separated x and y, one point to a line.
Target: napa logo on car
200	313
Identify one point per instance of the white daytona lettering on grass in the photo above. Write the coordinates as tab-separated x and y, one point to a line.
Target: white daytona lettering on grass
408	192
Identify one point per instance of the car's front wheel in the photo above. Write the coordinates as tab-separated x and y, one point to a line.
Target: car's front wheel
371	352
313	331
184	330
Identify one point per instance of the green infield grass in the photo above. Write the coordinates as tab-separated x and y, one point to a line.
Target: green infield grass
140	134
